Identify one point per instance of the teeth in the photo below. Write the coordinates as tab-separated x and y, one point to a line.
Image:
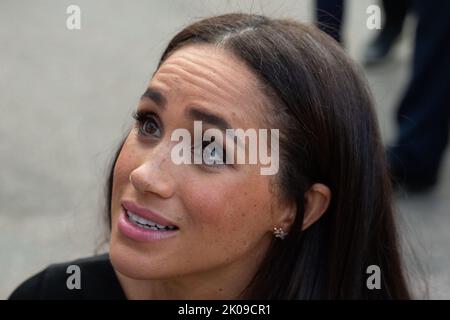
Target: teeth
147	224
139	219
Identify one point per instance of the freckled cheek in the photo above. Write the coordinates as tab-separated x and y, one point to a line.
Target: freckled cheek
125	164
228	210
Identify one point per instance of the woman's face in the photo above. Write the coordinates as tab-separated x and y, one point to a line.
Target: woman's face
224	213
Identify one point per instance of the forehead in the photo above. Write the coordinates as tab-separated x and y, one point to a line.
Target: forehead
212	77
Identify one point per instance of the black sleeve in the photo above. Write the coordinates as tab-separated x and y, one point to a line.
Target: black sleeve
98	281
49	284
30	289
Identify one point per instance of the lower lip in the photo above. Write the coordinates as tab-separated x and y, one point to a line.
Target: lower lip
134	232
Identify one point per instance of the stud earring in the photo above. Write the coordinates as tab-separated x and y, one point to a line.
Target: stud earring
279	233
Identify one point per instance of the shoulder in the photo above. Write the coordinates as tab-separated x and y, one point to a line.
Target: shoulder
86	278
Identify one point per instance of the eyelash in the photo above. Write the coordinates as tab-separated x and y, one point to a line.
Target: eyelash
142	117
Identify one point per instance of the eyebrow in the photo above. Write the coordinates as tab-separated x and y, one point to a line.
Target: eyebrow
205	116
194	113
198	114
156	96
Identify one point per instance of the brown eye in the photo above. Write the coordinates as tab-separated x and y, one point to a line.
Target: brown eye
148	125
150	128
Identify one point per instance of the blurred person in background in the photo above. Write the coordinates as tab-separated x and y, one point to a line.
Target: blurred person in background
395	12
329	17
422	117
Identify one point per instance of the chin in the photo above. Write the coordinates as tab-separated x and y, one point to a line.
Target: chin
135	264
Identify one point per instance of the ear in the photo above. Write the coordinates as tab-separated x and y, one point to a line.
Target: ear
285	216
317	200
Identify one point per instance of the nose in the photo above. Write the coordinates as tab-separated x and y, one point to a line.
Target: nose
154	174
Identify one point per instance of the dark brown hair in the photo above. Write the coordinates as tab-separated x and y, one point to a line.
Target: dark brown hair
328	134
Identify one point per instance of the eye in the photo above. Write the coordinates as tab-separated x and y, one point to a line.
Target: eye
213	155
210	155
148	124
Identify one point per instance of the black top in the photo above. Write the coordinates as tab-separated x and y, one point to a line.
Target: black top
97	281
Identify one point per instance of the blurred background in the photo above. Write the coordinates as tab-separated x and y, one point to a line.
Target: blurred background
66	98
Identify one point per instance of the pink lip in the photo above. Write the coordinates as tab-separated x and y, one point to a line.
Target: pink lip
134	232
146	213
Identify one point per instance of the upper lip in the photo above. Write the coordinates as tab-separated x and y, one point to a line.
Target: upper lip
146	213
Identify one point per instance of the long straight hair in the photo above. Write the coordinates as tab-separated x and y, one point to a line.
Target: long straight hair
328	134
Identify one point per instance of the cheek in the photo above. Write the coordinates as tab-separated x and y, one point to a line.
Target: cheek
122	170
123	165
231	210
